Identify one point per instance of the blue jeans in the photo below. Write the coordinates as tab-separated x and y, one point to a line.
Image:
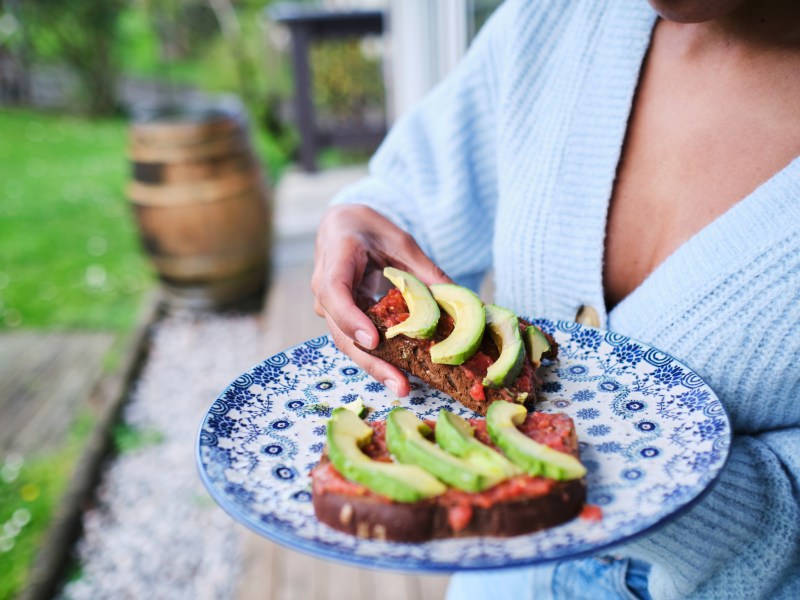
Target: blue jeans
599	578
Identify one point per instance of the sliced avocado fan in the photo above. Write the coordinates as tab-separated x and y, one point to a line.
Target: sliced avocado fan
347	434
405	437
457	436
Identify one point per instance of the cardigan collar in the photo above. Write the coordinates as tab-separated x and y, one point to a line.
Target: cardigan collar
713	255
586	180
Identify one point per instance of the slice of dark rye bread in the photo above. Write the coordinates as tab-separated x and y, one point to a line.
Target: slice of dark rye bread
413	356
517	506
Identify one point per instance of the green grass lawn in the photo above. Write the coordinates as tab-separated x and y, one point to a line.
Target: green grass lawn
69	253
30	489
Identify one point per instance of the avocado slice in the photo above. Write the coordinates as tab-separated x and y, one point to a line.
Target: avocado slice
469	319
532	457
405	437
423	312
536	345
504	329
357	406
346	435
457	436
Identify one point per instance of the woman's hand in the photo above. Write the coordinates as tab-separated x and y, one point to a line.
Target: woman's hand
354	244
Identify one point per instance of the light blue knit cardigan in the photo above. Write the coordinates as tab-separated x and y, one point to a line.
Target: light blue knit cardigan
509	164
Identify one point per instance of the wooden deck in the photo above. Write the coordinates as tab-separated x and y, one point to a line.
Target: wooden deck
274	573
45	378
271	572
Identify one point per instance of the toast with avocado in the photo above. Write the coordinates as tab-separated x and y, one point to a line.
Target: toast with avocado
511	474
446	336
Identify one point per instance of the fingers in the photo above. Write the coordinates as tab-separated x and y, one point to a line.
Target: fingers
353	245
390	376
402	251
336	301
342	270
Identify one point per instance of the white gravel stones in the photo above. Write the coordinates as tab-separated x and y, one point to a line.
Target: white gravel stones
155	533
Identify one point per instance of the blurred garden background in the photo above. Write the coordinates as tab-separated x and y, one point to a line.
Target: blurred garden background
74	74
77	71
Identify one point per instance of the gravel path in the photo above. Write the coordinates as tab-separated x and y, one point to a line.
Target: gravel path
155	533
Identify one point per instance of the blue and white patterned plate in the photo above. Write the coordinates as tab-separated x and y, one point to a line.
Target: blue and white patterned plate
653	436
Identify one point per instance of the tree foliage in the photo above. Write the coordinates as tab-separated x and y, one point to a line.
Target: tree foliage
81	34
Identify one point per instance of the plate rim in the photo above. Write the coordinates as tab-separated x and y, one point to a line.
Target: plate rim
380	562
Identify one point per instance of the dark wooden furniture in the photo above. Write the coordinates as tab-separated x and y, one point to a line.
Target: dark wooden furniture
306	24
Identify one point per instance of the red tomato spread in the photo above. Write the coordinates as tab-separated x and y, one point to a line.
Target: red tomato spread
478	365
477	391
391	309
459	516
592	512
554	430
526	375
522	486
460	505
476	368
326	479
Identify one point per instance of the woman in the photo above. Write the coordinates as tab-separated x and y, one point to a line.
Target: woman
642	160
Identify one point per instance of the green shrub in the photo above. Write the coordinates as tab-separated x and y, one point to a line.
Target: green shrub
80	33
30	488
346	81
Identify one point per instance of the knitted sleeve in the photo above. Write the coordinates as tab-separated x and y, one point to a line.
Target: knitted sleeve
745	532
435	174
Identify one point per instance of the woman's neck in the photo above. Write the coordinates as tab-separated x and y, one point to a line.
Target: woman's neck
753	26
759	25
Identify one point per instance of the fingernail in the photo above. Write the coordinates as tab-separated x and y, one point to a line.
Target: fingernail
391	384
363	338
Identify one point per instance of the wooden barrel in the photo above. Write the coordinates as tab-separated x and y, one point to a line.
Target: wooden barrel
203	207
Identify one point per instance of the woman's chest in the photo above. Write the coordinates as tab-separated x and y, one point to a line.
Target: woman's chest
699	140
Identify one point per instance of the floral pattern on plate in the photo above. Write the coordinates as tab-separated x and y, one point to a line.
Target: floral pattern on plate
653	437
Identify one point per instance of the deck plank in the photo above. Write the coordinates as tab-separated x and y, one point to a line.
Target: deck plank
71	386
44	378
344	583
432	587
260	568
394	586
296	581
